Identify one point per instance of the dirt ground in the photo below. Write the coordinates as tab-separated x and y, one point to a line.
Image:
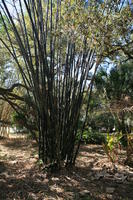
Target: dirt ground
91	179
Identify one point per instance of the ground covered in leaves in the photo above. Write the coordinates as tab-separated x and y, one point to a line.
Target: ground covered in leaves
92	178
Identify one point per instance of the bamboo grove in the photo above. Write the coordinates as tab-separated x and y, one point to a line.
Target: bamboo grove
54	66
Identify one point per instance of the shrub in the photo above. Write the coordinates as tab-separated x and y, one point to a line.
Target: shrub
18	120
112	145
93	137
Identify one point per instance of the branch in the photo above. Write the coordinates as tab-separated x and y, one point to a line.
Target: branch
8	93
16	85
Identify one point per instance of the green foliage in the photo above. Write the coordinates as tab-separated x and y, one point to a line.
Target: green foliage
111	146
113	140
90	137
18	119
129	149
124	141
102	122
120	81
86	198
113	93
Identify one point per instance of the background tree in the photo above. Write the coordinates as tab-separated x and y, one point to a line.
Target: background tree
115	94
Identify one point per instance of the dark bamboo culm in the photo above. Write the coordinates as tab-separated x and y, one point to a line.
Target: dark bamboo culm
54	69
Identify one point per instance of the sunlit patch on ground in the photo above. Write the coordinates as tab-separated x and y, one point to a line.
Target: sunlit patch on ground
92	178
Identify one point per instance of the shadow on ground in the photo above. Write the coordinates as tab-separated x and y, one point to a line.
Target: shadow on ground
74	184
20	144
21	183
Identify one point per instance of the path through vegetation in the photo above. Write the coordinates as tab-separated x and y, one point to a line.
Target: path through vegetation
21	178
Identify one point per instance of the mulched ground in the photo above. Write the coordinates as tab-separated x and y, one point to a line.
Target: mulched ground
93	178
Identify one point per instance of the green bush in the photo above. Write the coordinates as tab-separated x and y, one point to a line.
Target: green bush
18	120
111	146
93	137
